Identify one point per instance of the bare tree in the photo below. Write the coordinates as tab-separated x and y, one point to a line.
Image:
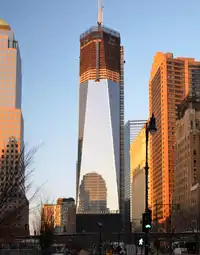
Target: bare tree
15	180
43	226
46	232
36	222
39	216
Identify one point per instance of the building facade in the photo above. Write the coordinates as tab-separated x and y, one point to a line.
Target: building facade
48	213
172	79
131	130
65	215
187	166
61	216
100	164
137	179
11	133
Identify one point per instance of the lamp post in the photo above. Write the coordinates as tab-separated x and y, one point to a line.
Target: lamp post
150	128
100	237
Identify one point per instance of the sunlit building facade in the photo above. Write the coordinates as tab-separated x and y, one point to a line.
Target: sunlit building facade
47	215
61	217
171	80
93	186
11	127
137	179
100	180
11	121
65	215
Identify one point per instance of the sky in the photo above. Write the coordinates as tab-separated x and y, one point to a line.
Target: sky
48	33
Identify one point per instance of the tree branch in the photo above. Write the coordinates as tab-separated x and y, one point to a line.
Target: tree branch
15	173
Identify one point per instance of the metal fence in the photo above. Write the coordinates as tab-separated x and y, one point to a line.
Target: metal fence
159	242
18	252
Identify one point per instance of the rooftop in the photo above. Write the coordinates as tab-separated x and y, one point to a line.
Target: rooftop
102	28
4	25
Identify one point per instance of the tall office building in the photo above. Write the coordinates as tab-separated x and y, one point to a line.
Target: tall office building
100	179
172	79
11	129
187	164
131	130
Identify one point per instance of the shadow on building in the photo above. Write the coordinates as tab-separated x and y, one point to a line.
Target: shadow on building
91	223
127	216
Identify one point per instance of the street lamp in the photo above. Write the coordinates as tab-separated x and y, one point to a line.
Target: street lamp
149	128
100	237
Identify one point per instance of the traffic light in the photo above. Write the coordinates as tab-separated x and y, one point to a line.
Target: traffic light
146	220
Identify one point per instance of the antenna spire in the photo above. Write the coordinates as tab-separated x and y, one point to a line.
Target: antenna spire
100	13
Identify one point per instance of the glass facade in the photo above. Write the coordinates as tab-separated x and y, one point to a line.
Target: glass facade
131	130
100	146
100	161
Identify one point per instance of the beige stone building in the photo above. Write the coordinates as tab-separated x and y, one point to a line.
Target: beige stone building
137	178
187	167
138	197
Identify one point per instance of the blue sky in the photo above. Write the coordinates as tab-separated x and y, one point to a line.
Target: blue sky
48	33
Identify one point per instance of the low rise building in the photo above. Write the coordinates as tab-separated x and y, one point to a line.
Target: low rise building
61	215
65	215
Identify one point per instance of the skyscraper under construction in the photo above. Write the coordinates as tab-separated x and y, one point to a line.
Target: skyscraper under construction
100	173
